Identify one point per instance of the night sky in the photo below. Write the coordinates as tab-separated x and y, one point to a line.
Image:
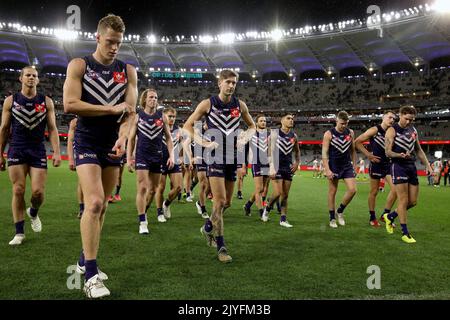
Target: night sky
172	17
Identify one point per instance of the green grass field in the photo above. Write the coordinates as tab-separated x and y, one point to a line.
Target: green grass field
309	261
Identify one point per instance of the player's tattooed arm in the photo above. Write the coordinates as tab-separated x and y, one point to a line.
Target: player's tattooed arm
371	132
389	144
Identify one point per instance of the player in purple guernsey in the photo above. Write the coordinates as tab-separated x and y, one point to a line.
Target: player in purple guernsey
380	165
223	115
102	91
283	146
25	116
175	175
259	159
146	154
339	160
402	142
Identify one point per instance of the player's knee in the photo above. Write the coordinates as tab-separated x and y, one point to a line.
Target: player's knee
220	202
352	191
96	205
19	190
37	194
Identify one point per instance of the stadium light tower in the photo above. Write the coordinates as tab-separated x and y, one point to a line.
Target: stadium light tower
442	6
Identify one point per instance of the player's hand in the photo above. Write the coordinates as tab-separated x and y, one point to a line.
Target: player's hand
56	159
131	165
122	108
191	167
119	149
2	163
294	167
406	155
170	163
329	174
374	159
72	166
272	172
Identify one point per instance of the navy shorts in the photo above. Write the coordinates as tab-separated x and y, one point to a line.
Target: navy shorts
34	156
165	170
146	162
94	155
284	174
227	171
343	172
379	170
404	173
260	170
201	167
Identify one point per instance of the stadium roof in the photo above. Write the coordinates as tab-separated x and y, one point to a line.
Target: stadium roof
415	41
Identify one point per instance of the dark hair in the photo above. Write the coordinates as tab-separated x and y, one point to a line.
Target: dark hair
259	116
408	110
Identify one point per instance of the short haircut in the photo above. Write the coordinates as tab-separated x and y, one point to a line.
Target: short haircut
169	109
343	115
143	98
111	21
288	114
259	116
22	72
388	111
225	74
408	110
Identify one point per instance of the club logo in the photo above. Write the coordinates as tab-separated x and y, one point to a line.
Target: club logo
39	107
119	77
235	113
158	122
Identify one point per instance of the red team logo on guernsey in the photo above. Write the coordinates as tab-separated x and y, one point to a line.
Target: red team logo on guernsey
158	122
348	138
235	113
292	140
39	107
119	77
